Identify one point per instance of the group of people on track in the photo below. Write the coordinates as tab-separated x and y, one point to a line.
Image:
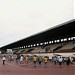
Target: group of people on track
21	59
62	60
35	59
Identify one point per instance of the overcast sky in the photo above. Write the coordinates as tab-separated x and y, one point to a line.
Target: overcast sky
22	18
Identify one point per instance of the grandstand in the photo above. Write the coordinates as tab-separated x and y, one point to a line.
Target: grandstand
58	39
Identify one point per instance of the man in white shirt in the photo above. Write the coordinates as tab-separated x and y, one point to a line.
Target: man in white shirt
4	58
21	59
60	61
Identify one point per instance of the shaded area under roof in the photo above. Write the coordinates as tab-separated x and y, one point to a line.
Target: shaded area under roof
64	30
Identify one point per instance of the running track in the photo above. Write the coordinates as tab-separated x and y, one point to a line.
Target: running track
14	69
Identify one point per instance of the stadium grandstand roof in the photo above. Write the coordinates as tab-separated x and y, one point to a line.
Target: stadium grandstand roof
61	31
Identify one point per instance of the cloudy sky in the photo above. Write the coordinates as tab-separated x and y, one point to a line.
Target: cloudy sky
22	18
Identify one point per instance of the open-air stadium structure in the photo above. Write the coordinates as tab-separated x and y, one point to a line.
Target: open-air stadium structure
53	37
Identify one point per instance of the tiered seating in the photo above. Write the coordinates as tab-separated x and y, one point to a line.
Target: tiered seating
19	51
29	50
59	47
68	45
54	47
38	49
15	51
24	50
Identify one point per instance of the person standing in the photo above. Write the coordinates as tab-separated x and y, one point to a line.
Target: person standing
71	60
68	61
21	59
60	61
45	61
35	60
40	60
4	59
55	60
27	59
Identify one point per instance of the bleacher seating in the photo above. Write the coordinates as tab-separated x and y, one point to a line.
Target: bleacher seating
38	49
19	51
67	46
59	47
